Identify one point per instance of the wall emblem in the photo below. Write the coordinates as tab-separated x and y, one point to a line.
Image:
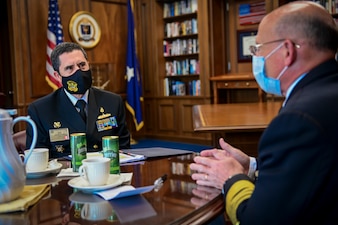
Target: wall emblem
84	29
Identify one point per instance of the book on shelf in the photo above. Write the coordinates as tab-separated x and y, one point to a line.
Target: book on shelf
175	29
179	8
166	48
176	88
166	87
194	87
180	47
194	67
179	88
182	67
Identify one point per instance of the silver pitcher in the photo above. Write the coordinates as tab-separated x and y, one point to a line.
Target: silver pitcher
12	169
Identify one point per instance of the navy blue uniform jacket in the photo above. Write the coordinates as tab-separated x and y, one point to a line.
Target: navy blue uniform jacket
56	111
297	181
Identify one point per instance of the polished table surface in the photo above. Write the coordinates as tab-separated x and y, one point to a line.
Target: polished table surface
178	201
240	124
234	117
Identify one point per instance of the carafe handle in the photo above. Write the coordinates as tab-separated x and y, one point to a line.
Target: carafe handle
35	134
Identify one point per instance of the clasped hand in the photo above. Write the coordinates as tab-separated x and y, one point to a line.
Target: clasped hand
213	167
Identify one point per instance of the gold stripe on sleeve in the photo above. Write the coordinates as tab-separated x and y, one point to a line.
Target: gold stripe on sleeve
238	192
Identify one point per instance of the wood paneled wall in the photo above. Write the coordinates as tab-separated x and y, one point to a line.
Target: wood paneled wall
28	27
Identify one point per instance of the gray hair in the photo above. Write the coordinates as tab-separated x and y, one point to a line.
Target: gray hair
320	33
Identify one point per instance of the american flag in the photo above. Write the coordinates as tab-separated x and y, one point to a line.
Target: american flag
54	37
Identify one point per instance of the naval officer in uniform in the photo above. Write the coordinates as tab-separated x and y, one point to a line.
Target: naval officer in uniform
77	107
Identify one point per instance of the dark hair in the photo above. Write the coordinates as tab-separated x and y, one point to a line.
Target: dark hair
320	33
62	48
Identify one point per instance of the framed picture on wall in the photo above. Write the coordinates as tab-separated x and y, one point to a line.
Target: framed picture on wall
245	38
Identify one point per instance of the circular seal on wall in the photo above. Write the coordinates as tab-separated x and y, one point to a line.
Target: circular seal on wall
84	29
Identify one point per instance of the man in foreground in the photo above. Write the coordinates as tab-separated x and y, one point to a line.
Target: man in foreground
295	177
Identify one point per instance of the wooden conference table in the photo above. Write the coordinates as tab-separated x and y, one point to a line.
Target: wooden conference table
241	124
176	202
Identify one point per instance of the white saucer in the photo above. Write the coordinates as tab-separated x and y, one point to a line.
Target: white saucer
83	185
36	174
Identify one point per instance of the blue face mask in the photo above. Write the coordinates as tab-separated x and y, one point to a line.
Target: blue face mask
268	84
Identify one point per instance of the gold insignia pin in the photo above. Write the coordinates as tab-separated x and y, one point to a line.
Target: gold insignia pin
59	148
104	115
57	124
72	85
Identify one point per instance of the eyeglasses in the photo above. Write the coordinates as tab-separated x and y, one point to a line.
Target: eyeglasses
255	48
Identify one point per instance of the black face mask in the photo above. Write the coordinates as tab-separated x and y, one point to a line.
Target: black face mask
79	82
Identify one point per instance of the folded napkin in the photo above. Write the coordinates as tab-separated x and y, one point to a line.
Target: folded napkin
126	177
29	196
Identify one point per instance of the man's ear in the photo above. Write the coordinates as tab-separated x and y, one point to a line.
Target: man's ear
57	76
291	53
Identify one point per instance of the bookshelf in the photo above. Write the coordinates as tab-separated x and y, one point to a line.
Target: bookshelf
200	35
181	49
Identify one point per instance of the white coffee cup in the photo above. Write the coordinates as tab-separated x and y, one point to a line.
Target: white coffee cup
38	161
95	170
96	211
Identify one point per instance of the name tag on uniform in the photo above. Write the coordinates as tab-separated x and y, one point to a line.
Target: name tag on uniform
60	134
106	124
